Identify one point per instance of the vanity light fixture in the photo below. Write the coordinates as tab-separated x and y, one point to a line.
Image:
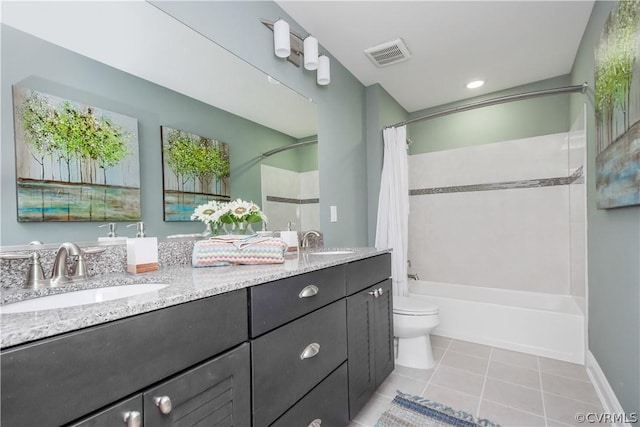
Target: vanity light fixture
298	49
475	84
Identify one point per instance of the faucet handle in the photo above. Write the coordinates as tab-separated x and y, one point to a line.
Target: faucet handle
80	269
35	275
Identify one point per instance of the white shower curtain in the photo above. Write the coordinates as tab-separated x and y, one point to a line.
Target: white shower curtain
393	205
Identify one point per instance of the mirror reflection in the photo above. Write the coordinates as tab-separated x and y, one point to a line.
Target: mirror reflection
205	90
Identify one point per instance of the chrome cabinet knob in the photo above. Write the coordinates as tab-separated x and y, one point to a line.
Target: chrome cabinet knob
133	419
164	404
316	423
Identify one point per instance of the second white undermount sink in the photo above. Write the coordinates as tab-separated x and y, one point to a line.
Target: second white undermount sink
75	298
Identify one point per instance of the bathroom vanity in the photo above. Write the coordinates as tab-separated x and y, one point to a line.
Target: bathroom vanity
305	343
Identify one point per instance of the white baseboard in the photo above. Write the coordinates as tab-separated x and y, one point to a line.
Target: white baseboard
607	397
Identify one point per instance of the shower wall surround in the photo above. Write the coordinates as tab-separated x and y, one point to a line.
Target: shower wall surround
494	215
290	196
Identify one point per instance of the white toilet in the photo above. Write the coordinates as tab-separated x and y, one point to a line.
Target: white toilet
413	321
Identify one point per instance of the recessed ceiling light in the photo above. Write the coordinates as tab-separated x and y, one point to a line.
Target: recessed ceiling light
475	84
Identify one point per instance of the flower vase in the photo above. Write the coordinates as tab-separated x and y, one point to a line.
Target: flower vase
242	227
214	229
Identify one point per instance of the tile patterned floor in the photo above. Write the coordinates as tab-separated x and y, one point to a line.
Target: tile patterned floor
507	387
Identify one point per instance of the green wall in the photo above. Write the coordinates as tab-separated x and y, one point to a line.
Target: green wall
40	65
503	122
613	240
342	150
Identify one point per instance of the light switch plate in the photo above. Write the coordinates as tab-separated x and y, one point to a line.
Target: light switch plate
334	214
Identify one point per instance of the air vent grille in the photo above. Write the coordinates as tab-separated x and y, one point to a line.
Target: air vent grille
388	53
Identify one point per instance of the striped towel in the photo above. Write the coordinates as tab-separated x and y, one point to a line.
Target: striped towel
226	250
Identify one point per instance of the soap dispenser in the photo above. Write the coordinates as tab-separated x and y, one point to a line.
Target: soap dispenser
111	235
142	251
290	238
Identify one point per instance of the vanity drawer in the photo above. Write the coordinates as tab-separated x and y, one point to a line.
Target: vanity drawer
328	402
57	380
276	303
367	272
282	373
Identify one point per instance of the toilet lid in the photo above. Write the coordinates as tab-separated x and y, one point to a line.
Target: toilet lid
413	305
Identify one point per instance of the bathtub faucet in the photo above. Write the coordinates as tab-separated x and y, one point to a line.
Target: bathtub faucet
413	276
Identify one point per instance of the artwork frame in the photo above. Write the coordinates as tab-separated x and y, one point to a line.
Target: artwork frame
75	162
617	108
195	170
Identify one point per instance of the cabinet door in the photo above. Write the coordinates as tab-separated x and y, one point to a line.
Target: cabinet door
383	332
124	414
216	393
360	338
369	342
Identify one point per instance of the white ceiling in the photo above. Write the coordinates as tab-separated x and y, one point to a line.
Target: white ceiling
150	44
505	43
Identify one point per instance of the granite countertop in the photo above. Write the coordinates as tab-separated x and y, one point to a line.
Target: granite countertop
185	284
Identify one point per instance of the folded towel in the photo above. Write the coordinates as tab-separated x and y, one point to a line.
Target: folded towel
225	250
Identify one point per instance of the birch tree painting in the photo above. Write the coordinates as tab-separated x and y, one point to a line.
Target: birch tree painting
74	162
617	106
196	169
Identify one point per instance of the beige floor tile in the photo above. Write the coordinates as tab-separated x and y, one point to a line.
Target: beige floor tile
569	388
439	342
396	382
470	348
372	410
459	380
516	396
437	353
471	364
564	369
515	358
455	399
564	410
507	416
416	374
514	374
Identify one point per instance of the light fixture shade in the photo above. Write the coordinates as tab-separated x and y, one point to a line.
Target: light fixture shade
281	39
311	53
324	70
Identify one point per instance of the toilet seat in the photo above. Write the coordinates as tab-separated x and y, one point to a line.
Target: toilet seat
413	306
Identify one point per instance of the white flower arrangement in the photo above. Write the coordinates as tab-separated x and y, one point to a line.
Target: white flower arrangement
216	214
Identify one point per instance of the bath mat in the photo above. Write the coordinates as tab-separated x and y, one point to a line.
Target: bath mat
413	411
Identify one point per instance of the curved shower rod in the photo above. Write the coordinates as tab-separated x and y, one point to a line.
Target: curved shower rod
494	101
288	147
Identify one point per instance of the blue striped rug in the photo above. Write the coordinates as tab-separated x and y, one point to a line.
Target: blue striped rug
413	411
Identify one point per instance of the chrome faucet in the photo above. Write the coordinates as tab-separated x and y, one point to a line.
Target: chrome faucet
413	276
305	238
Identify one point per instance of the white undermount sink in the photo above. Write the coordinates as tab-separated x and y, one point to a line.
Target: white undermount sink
333	252
75	298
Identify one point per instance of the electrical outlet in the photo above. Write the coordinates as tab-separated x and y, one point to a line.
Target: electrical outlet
334	214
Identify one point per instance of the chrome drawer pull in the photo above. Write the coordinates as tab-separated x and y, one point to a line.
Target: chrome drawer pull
316	423
164	404
374	293
310	351
133	419
308	291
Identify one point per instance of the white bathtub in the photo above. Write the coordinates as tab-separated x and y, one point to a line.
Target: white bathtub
542	324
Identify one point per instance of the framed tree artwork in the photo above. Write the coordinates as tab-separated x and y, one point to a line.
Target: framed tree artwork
195	170
74	162
617	105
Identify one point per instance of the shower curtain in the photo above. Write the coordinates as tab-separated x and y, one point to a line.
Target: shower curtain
393	205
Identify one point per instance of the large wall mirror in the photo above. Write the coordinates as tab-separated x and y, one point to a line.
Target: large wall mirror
165	74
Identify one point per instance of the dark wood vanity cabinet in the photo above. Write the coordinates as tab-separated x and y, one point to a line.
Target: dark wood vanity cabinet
58	380
369	329
305	350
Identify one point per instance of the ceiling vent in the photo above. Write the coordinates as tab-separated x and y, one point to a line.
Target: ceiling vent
388	53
